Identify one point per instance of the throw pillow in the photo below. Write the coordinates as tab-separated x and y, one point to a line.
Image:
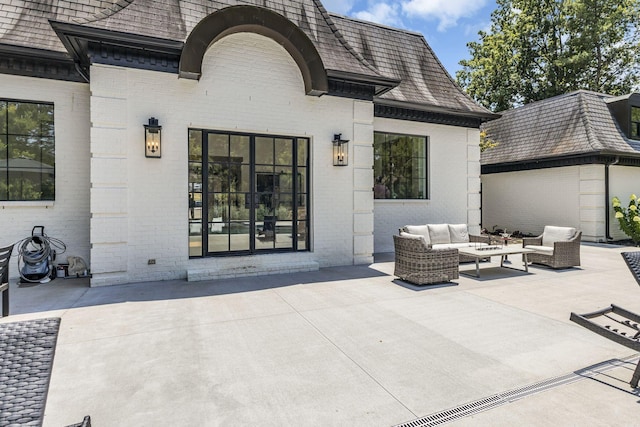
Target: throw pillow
439	233
421	230
459	233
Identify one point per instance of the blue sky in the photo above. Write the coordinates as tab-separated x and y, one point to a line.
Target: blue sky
446	24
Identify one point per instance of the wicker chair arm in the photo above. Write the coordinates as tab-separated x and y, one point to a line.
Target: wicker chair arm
479	239
568	244
418	248
537	241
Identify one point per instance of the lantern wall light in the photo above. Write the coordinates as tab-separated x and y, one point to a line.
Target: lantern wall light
340	150
152	138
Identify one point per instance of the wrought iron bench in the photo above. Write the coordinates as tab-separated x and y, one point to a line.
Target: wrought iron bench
614	322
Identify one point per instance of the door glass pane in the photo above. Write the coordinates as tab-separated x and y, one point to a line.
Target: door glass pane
239	209
239	235
218	147
195	145
284	151
240	149
285	179
264	151
303	151
301	180
217	208
218	242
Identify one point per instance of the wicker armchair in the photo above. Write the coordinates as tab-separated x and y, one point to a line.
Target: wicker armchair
555	254
419	264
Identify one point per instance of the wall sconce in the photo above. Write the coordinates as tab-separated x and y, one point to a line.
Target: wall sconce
340	150
152	134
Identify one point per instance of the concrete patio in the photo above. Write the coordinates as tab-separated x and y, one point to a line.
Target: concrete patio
347	346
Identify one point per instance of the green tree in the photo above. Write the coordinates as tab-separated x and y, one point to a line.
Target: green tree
537	49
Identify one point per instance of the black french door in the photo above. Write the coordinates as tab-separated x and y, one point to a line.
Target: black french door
247	193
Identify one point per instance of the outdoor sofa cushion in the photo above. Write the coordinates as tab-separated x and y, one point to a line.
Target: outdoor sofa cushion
552	234
546	250
458	245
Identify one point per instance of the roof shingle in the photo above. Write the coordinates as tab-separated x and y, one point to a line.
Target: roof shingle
575	123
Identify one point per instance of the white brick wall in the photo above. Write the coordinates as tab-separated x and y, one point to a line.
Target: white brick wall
67	218
453	176
249	84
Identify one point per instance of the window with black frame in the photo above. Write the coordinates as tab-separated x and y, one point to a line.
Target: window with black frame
635	122
400	166
247	193
27	151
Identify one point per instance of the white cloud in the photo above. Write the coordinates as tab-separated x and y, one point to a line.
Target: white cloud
382	13
447	12
338	6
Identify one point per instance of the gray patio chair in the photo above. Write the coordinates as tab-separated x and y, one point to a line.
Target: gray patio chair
5	256
556	247
415	262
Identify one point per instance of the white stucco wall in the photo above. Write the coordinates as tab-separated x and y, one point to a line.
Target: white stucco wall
250	84
526	201
66	218
453	179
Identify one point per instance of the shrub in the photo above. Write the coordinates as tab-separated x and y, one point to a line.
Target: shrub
628	218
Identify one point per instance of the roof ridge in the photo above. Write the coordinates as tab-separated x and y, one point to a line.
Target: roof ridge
105	12
593	141
376	24
332	26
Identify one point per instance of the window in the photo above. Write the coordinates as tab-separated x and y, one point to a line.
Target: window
400	166
247	193
27	151
635	122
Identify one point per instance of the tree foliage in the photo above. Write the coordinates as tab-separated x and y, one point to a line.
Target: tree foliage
541	48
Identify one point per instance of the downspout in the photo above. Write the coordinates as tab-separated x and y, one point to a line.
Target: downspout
606	198
81	72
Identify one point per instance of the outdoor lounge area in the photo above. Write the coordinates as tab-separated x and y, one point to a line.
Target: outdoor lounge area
348	345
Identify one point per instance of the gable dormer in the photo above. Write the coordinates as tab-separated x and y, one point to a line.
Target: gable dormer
626	110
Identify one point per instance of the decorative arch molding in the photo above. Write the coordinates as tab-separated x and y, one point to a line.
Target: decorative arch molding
253	19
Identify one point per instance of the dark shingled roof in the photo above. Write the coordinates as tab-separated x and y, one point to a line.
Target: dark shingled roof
347	47
406	56
576	123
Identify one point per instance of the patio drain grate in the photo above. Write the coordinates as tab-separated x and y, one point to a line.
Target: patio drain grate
499	399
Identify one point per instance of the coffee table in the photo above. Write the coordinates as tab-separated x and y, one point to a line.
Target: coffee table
482	252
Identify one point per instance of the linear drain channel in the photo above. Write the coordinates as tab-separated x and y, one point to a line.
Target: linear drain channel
499	399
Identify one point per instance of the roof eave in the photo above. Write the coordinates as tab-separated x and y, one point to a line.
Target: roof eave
483	115
382	84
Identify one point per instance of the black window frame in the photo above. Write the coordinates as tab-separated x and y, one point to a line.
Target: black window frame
47	175
634	126
388	184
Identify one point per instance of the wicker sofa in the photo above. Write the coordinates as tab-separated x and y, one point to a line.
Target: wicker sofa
417	263
446	236
556	247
